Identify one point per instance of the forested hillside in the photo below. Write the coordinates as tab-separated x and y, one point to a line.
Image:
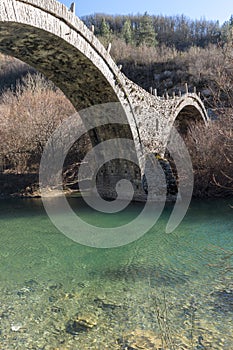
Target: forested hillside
178	31
164	52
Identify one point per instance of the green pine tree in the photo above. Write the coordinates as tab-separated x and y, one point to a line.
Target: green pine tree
227	30
146	32
127	32
105	30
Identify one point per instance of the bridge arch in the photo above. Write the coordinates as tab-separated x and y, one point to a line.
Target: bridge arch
45	35
50	38
189	108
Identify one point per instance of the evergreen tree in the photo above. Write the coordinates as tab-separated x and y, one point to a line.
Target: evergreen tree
146	31
231	21
105	30
230	35
227	30
177	31
127	32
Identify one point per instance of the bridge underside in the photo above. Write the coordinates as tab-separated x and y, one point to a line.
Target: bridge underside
69	69
58	61
186	116
82	83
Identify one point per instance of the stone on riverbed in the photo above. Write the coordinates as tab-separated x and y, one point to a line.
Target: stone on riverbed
141	339
223	300
81	323
105	303
15	327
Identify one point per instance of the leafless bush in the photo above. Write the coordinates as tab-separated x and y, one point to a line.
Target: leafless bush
142	54
211	151
27	119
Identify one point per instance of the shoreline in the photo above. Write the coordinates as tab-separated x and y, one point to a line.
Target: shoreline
26	186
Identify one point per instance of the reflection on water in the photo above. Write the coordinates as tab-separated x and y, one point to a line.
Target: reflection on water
164	291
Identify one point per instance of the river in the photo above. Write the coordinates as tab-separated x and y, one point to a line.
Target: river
175	289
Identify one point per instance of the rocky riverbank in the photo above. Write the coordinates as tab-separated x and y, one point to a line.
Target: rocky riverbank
27	186
19	185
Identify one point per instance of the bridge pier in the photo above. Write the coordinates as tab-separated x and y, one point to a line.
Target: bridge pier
160	181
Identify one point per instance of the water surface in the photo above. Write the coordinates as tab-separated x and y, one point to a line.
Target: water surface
176	288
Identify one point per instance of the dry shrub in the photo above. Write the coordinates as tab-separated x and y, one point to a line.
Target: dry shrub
211	149
142	54
209	69
28	117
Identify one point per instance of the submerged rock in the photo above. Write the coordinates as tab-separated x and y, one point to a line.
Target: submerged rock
15	327
223	300
81	323
31	282
55	286
141	339
24	291
105	303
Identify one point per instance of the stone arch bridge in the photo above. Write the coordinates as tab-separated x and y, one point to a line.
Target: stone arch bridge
49	37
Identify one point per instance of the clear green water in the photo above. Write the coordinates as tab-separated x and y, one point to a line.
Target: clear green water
174	288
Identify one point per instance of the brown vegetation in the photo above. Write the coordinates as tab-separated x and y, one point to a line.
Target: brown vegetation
28	117
212	157
211	148
29	114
